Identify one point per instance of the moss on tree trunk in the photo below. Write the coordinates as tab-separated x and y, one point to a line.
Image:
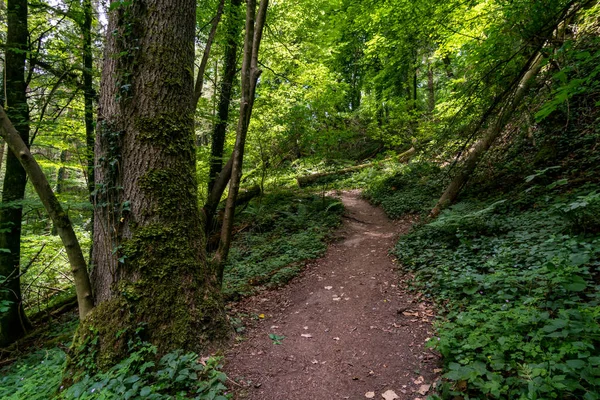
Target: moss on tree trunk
150	273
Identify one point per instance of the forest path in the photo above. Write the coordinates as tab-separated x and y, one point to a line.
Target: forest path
350	325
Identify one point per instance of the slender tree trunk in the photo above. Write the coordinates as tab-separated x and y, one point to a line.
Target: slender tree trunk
250	75
2	147
215	187
60	219
14	323
150	265
493	132
88	92
205	56
88	100
430	89
62	173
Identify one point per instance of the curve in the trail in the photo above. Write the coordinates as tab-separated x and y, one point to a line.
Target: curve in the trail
351	328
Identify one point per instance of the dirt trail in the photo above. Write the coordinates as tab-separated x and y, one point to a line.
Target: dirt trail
350	325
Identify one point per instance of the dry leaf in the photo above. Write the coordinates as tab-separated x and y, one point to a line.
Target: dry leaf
314	362
328	287
336	338
261	316
370	395
390	395
424	389
306	335
410	314
419	380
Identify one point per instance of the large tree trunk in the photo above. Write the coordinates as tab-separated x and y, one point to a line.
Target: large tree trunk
14	323
255	23
150	267
216	187
493	132
60	219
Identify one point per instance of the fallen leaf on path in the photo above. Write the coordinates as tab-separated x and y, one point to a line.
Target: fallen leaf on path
336	338
419	380
328	287
314	362
437	370
424	389
261	316
370	395
306	335
390	395
410	314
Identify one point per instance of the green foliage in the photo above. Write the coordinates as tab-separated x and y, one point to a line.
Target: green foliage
412	190
281	230
176	375
276	339
520	295
583	212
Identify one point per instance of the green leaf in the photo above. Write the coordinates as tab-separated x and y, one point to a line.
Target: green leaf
146	390
577	284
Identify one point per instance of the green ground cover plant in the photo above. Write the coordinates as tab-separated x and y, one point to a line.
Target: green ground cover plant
518	287
176	375
410	189
282	230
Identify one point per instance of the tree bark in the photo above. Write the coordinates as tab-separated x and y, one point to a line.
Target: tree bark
14	323
204	62
150	266
53	208
250	75
483	145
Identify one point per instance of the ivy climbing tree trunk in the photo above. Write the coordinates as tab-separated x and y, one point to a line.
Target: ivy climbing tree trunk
219	176
150	267
255	23
14	323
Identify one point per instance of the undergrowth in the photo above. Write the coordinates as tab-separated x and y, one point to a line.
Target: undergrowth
517	281
412	189
280	231
176	375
